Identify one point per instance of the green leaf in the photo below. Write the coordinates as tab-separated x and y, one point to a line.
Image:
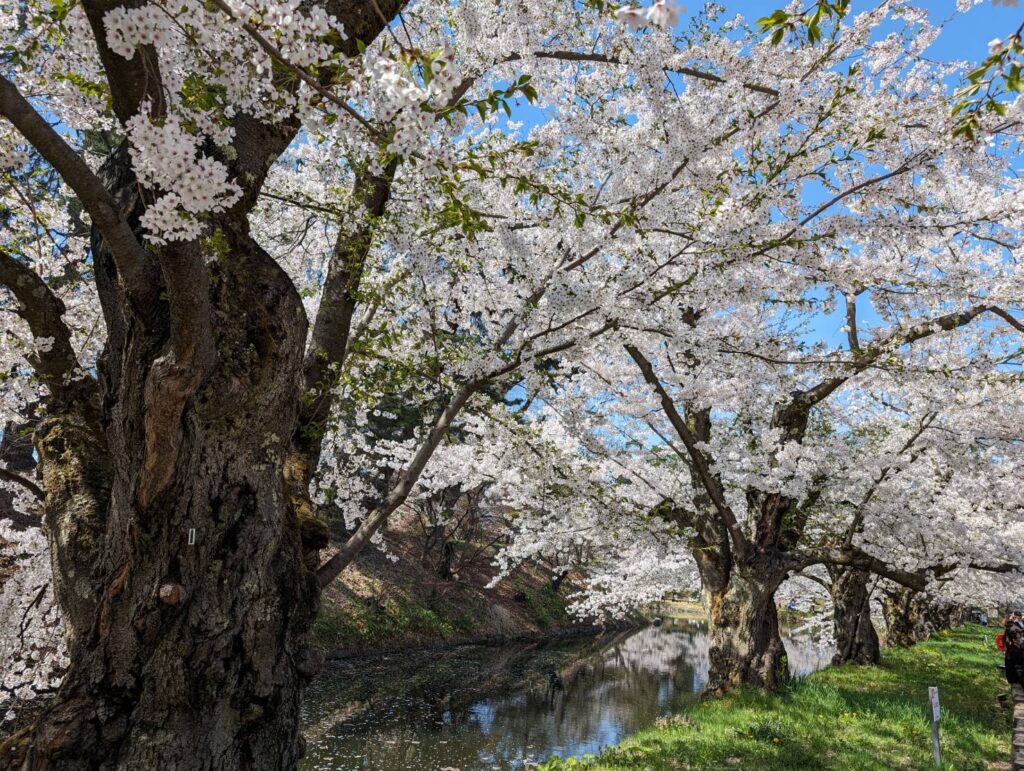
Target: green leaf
778	17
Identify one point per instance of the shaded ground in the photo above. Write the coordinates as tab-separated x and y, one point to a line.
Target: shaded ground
842	718
382	603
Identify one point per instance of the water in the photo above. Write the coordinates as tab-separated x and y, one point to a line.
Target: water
507	707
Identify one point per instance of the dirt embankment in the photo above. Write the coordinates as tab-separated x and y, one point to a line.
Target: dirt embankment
381	603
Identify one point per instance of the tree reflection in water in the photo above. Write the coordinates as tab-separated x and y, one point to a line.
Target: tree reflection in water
483	707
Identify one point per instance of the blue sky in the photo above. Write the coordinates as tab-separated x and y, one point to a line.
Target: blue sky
965	37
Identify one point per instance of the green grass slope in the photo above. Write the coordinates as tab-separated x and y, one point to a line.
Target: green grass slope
842	718
380	603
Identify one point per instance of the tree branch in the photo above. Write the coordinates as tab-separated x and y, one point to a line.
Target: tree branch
1005	316
28	484
851	323
275	53
579	56
700	462
793	416
858	519
406	481
127	250
333	325
132	81
916	580
42	310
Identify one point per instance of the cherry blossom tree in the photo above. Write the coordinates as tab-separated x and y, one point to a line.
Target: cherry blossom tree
264	260
898	229
185	305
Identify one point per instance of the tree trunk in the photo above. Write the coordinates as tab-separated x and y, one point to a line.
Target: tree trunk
745	645
177	536
903	609
16	457
557	577
856	638
940	616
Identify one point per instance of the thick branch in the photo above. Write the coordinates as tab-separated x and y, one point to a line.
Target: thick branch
126	249
916	580
188	293
42	310
132	81
333	325
363	20
174	378
700	462
984	567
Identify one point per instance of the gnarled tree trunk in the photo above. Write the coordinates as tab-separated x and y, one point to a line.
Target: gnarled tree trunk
184	542
745	645
179	549
856	638
940	616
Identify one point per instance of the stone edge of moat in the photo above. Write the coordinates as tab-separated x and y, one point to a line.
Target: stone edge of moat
1018	727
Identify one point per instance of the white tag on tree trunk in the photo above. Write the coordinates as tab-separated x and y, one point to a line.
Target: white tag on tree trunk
191	536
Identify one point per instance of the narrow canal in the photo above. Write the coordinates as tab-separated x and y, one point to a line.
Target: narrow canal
507	707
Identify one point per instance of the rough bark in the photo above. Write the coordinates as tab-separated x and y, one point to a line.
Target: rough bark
940	616
184	542
856	638
745	645
76	474
184	655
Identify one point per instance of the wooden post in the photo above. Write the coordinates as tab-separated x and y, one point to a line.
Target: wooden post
933	697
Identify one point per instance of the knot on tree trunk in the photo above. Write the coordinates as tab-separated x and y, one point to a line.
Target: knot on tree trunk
172	594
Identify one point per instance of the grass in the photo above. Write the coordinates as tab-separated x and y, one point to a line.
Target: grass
841	718
365	626
546	608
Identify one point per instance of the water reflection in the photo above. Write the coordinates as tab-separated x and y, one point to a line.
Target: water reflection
506	707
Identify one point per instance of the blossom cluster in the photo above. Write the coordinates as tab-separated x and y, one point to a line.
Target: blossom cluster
168	158
662	13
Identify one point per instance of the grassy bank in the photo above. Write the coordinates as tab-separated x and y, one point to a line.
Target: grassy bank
379	603
842	718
